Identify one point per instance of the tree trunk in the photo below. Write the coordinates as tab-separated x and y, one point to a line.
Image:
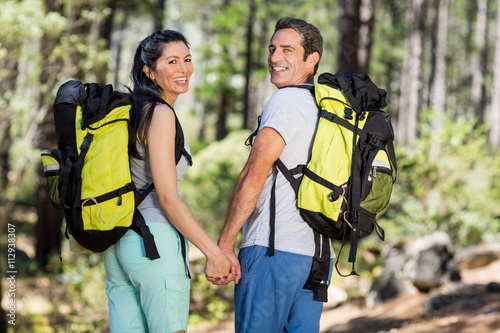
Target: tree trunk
349	25
367	18
5	144
224	110
47	232
247	100
158	15
479	63
432	13
47	229
494	137
7	86
411	80
438	89
438	92
106	26
118	45
356	21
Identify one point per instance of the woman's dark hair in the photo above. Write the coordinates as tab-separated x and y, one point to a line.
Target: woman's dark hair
146	91
312	41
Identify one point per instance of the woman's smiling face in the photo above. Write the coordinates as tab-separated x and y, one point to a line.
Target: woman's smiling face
173	70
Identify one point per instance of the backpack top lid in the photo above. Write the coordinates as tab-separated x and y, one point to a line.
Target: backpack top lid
96	100
69	93
359	89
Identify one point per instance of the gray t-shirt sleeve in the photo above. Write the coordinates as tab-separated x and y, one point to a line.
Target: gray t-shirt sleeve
286	115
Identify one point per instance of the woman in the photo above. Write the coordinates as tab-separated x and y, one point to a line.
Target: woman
153	295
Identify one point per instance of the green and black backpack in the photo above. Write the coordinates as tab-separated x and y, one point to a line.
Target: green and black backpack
88	175
351	170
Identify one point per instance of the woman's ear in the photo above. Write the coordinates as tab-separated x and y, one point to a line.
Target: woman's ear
148	72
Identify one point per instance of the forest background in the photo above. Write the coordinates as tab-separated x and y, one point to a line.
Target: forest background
439	60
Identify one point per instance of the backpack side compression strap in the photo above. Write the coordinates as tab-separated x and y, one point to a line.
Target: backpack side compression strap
272	219
318	278
64	181
354	198
139	225
142	229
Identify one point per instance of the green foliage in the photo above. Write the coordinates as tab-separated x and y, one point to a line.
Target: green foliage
208	185
21	21
448	182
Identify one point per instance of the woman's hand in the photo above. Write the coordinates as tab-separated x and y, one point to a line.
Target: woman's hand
234	274
218	269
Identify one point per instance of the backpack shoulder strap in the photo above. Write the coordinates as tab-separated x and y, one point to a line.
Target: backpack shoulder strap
179	143
290	173
180	149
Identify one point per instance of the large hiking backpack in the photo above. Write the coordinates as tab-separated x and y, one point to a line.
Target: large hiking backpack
88	175
349	177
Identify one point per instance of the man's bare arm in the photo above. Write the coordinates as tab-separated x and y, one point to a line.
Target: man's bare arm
266	150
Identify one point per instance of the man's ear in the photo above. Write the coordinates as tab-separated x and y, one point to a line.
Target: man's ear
313	58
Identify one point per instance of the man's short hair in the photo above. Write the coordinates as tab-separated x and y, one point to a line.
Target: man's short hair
312	41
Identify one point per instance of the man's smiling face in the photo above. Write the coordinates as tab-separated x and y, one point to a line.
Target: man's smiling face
286	59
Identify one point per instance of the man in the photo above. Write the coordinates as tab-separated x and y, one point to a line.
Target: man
269	293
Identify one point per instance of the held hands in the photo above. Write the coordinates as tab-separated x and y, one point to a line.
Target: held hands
233	272
235	266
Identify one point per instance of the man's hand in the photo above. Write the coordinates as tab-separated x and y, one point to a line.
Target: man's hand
235	272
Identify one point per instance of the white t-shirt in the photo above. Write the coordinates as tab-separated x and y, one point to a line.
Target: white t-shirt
293	113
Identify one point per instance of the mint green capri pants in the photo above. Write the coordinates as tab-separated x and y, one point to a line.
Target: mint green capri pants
147	295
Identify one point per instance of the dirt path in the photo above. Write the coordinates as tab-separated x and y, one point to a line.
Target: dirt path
464	307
